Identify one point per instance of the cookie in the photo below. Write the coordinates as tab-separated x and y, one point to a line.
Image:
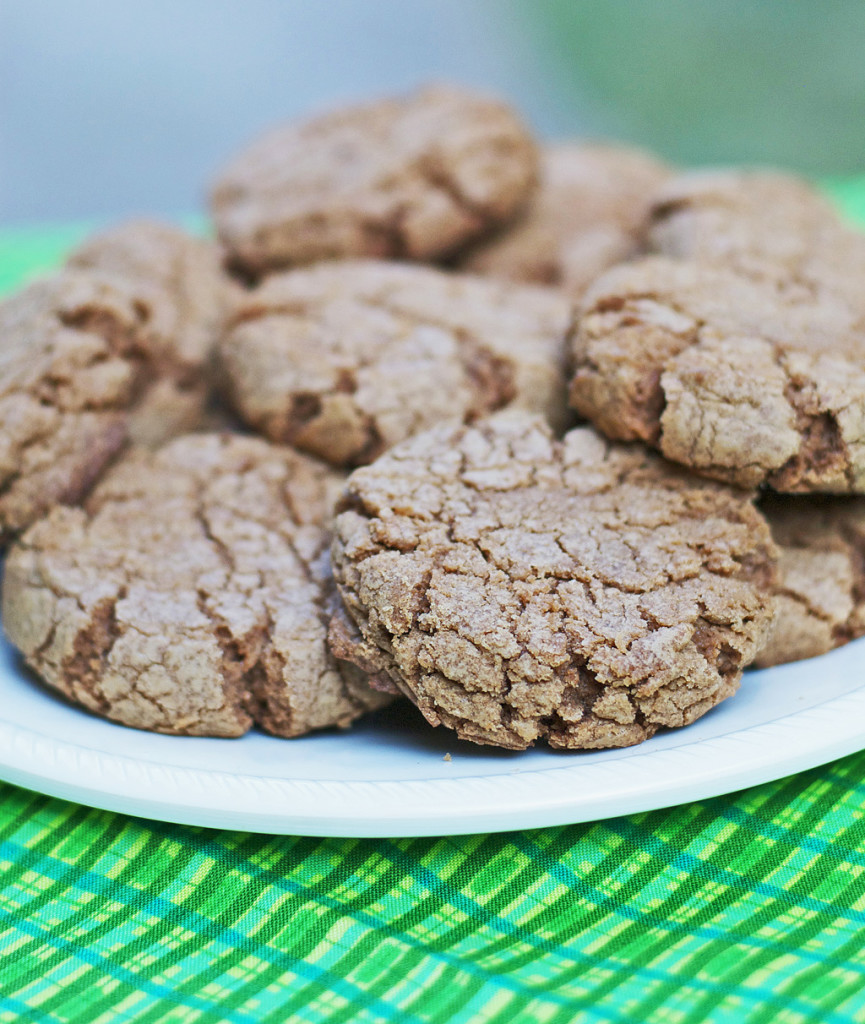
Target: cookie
191	594
764	224
519	588
75	361
741	379
346	358
181	280
821	589
410	178
590	212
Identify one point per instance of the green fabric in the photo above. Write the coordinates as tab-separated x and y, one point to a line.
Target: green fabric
747	909
742	909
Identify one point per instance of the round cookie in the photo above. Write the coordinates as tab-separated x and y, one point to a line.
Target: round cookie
765	224
75	360
191	594
181	279
344	359
821	588
519	588
414	177
740	378
115	346
590	212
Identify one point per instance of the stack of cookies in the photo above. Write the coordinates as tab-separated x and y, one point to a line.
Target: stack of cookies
551	441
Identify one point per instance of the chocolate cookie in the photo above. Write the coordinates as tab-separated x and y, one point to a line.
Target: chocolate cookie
518	588
346	358
180	279
412	178
190	594
767	225
742	379
590	211
821	588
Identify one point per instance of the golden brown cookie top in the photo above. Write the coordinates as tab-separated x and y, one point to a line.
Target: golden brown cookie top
190	594
414	177
741	378
516	587
589	212
346	358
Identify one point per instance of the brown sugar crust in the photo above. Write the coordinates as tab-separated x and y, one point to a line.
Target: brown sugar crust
765	224
742	379
408	178
345	359
191	594
181	280
821	589
590	212
519	588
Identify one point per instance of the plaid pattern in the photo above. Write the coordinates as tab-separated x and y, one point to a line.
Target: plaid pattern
747	909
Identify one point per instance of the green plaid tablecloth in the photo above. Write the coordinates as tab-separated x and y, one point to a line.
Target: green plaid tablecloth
748	909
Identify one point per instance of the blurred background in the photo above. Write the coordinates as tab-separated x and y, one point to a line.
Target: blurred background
110	108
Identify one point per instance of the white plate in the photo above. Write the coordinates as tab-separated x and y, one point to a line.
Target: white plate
388	777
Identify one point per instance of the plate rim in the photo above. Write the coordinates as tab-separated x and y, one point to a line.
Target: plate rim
210	798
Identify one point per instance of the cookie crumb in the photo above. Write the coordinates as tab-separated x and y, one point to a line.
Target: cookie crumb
447	757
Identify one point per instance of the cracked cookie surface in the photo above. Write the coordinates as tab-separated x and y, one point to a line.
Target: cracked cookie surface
590	211
191	593
180	279
345	359
765	224
519	588
742	379
409	178
820	602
